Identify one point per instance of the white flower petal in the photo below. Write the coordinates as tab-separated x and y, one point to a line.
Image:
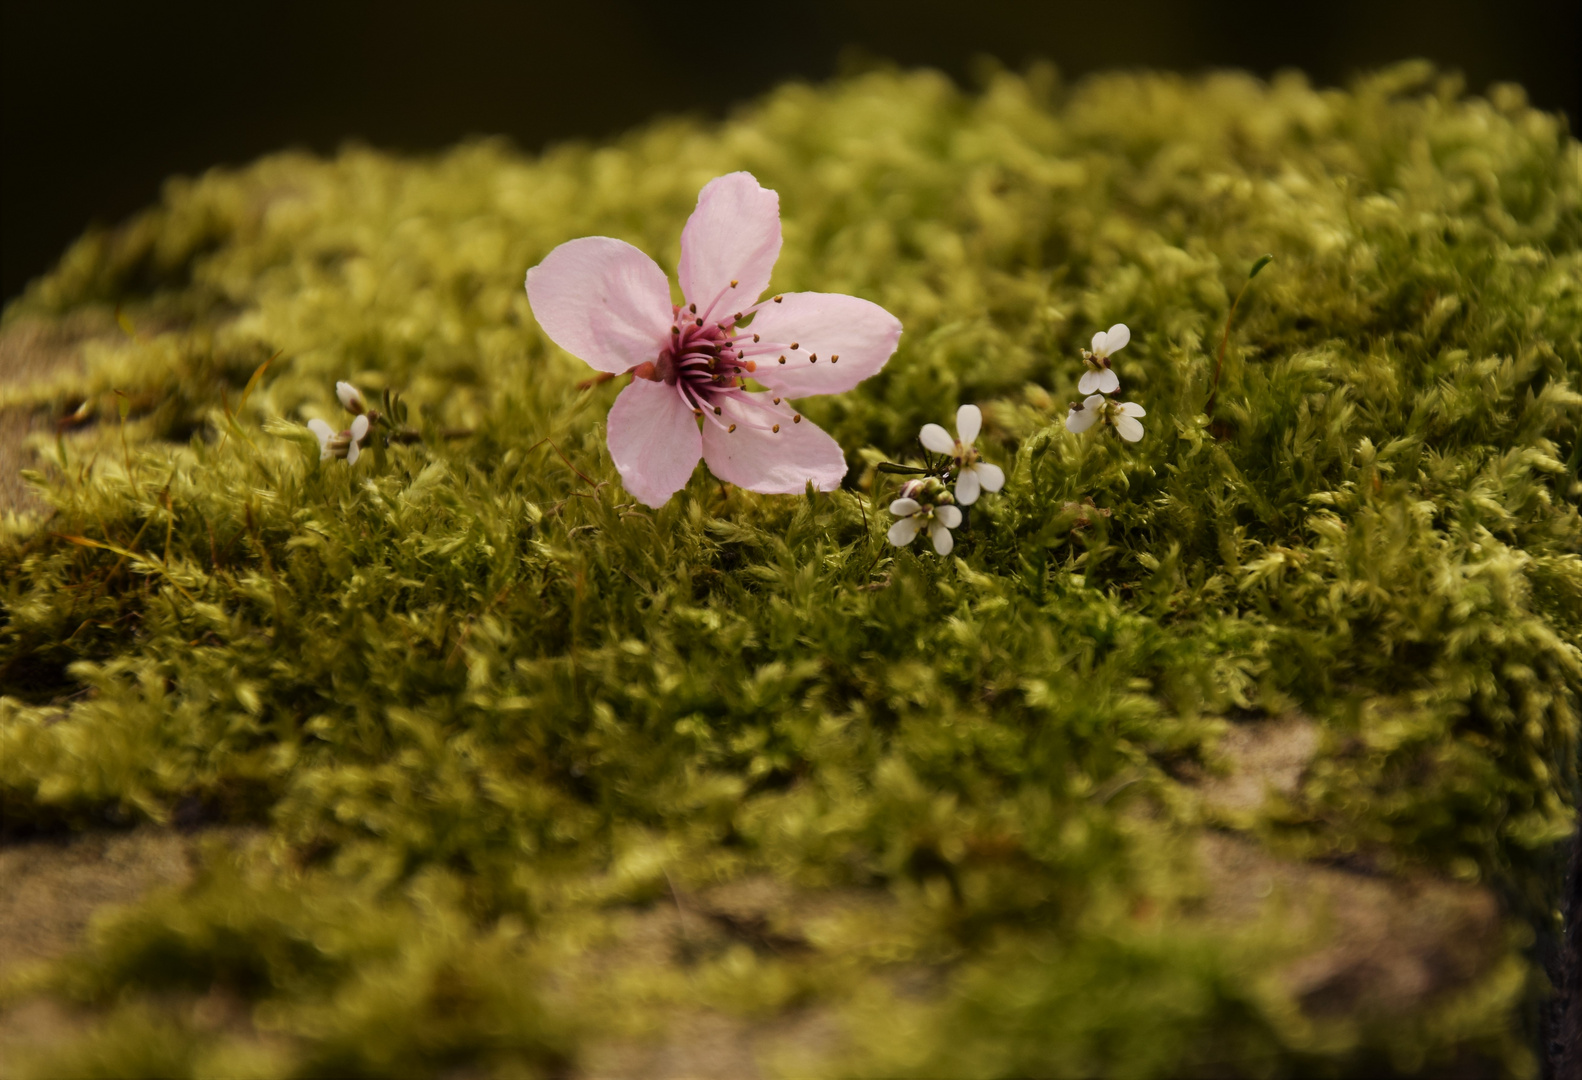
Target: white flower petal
948	516
967	486
992	477
969	421
903	532
324	432
1108	381
351	397
1131	408
904	507
1093	401
1089	382
359	429
1099	343
353	452
943	541
937	439
1117	337
1079	420
1128	428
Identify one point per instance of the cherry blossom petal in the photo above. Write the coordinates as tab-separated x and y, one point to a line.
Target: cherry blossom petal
1079	420
850	337
943	541
969	421
903	532
1131	408
325	434
992	477
937	439
758	458
967	487
1117	337
654	441
904	507
733	235
1128	428
603	301
949	516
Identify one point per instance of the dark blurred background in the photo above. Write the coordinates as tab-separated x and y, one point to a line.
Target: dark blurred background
103	100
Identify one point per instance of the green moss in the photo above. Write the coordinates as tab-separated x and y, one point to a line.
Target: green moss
480	705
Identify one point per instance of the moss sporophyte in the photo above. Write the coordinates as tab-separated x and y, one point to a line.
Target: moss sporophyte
607	303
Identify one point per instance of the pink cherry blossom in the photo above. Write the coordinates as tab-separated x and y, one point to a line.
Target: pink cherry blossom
607	303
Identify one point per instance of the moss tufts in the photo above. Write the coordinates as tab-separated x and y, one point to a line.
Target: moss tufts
481	710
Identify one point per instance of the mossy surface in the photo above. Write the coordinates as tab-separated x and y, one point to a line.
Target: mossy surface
484	708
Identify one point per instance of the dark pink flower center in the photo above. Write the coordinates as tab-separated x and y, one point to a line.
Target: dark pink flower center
710	361
703	361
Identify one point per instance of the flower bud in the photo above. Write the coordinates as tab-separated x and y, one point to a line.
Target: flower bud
351	397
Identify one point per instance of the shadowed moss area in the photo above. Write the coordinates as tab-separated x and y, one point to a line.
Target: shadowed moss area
487	712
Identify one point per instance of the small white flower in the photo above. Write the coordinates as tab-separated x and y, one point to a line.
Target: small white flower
972	474
342	444
1099	378
351	397
1122	416
924	504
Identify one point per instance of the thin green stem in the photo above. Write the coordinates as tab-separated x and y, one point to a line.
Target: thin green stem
1224	338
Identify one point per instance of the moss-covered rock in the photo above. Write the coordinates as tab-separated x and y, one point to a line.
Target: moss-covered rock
1247	750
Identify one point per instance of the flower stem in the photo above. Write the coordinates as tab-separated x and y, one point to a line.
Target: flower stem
1224	339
